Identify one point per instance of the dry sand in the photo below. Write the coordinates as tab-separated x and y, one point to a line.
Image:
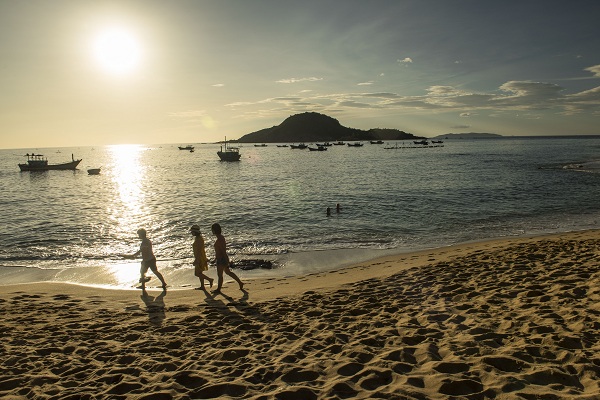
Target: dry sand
509	319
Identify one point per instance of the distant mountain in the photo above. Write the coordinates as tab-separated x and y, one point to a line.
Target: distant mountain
315	127
471	135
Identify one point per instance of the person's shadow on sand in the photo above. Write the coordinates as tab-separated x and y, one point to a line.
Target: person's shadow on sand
240	305
155	306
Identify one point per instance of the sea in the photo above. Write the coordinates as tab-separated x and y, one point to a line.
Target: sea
396	197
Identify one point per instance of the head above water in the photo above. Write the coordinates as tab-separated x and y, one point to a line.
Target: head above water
216	229
141	233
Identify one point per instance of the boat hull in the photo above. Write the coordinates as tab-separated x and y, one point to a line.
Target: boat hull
65	166
229	155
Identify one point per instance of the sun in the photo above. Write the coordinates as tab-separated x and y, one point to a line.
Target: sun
117	50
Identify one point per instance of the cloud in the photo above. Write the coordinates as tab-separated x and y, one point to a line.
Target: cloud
188	114
513	96
297	80
594	70
406	60
365	83
218	85
460	126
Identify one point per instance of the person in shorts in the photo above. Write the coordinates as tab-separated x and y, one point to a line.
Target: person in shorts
222	260
148	260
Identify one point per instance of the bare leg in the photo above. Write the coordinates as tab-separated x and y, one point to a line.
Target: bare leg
159	276
234	276
202	277
219	278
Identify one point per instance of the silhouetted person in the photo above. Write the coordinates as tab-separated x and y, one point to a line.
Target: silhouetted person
222	259
338	208
148	260
200	260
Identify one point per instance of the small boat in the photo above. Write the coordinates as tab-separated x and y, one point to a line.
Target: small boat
339	143
229	153
423	142
282	145
260	145
94	171
357	144
376	141
189	147
318	148
437	141
326	144
37	162
300	146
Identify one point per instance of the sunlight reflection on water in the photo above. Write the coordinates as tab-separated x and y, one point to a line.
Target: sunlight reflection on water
127	174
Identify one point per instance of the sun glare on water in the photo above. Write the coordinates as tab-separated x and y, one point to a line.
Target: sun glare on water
117	50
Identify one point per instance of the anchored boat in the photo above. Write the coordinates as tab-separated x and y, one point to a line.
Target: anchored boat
37	162
229	153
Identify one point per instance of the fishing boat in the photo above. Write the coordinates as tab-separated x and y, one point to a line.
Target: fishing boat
339	143
189	147
318	148
423	142
357	144
300	146
260	145
229	153
376	141
37	162
94	171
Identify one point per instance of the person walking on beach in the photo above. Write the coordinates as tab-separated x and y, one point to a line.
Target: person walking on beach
222	260
148	260
200	260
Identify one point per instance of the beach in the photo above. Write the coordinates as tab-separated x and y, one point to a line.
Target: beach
515	318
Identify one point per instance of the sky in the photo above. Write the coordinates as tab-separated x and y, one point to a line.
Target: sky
90	73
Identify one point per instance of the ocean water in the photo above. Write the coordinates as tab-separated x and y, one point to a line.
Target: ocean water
69	226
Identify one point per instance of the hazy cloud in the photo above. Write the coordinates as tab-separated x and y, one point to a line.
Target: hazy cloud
188	114
218	85
519	96
365	83
297	80
460	126
405	61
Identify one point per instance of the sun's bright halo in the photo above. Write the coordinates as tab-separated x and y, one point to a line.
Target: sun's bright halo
117	50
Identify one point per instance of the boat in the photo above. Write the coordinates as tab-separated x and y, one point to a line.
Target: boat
437	141
339	143
229	153
326	144
300	146
37	162
94	171
189	147
318	148
423	142
282	145
376	141
260	145
357	144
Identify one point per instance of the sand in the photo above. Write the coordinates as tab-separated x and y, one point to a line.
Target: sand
506	319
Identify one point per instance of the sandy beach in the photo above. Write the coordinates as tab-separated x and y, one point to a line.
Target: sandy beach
515	318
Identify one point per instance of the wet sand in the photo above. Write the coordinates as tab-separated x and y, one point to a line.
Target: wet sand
504	319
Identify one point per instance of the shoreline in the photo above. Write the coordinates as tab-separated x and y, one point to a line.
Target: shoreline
515	317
